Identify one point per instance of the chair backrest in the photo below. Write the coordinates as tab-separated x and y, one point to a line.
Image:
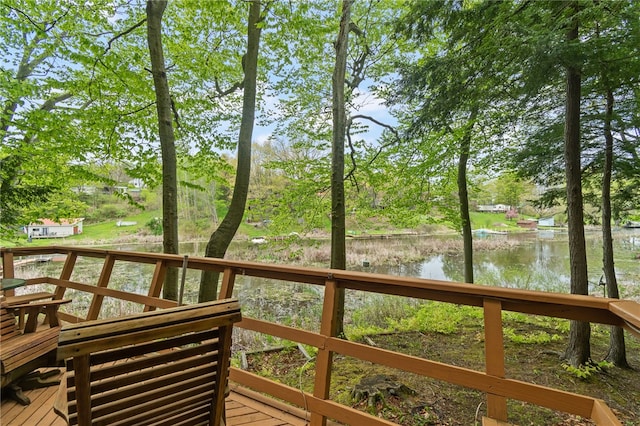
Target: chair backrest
162	367
8	325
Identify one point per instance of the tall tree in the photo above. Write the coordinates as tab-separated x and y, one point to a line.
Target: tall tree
457	86
613	35
617	351
164	104
221	238
578	350
306	50
338	225
585	64
463	194
37	91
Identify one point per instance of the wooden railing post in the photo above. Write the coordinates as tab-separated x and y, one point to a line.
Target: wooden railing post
324	360
103	281
156	282
228	281
494	355
65	274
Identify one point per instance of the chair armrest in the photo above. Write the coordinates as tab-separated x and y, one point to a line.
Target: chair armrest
50	308
40	304
26	298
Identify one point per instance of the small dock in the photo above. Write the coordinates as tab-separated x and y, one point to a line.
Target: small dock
19	263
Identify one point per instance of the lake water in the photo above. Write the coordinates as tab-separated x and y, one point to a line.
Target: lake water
540	261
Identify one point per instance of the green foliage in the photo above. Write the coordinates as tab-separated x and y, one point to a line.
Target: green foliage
435	317
538	337
82	110
51	100
112	211
558	325
381	311
155	226
587	371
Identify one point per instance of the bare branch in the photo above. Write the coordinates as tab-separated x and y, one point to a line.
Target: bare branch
359	65
135	111
122	34
112	40
50	104
351	174
379	123
20	12
176	117
222	93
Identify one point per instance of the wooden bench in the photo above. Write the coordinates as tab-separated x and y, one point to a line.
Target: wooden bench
22	351
161	367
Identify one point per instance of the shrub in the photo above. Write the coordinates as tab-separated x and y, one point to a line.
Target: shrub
155	226
112	211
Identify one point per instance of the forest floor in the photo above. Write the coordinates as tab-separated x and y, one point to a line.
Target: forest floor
424	401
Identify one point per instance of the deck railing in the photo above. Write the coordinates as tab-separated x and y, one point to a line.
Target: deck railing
492	300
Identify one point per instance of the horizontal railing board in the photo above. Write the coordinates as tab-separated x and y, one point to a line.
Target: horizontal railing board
471	294
540	395
284	332
629	312
108	292
306	400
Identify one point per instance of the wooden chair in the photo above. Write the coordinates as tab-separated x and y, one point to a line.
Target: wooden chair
27	299
167	367
22	351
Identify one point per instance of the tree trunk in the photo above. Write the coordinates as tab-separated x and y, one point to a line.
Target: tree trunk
338	215
578	351
463	195
222	236
155	10
617	352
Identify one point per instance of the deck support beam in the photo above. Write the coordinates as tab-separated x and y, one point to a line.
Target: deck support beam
494	355
328	327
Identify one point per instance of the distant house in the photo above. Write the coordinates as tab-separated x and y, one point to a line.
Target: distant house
47	228
547	221
494	208
84	189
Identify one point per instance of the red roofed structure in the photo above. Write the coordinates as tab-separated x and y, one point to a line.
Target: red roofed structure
48	228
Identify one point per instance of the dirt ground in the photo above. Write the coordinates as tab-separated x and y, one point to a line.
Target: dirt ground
416	400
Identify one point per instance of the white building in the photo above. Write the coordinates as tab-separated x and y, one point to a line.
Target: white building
494	208
547	221
47	228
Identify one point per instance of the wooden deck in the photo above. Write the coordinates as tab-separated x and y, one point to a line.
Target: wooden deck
243	406
493	380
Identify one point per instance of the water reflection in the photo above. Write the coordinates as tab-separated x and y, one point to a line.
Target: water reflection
540	263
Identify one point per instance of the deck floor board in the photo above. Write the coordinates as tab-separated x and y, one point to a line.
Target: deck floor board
241	410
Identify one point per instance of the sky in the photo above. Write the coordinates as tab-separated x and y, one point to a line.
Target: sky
368	104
